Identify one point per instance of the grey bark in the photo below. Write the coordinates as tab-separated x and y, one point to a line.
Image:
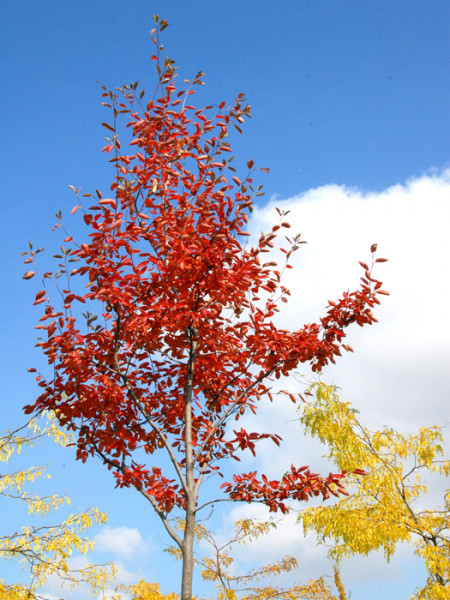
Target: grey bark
191	492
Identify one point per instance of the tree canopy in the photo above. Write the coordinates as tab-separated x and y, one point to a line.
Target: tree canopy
387	503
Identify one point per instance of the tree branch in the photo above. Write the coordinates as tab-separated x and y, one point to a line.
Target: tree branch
230	409
159	512
142	410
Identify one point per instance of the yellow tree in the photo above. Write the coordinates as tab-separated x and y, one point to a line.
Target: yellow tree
219	566
44	550
385	505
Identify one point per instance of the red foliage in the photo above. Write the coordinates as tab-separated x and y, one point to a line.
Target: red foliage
185	340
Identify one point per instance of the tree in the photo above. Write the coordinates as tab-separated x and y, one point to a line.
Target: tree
219	566
178	340
44	550
385	502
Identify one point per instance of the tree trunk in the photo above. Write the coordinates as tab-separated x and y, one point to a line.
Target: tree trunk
189	530
188	555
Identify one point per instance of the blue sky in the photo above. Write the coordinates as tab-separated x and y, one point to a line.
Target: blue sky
350	108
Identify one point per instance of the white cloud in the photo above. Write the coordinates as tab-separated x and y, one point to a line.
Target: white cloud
399	374
123	541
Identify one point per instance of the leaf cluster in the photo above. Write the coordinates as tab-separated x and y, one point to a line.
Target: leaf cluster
45	551
385	505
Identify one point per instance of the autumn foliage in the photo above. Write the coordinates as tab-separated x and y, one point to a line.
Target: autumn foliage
178	339
44	551
220	567
385	507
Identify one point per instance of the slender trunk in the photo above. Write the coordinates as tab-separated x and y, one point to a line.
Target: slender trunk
189	530
188	555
